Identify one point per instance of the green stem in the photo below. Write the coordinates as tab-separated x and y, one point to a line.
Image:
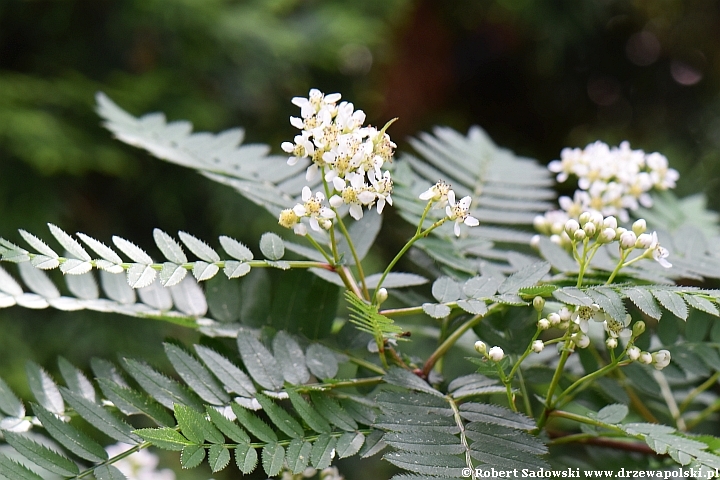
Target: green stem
526	397
402	252
698	390
358	264
116	458
354	382
590	377
361	362
549	405
455	336
703	415
582	263
623	257
319	248
463	439
401	312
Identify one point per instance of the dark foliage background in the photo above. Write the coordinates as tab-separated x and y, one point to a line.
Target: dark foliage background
538	75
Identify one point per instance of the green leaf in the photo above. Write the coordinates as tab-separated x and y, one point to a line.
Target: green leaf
236	249
135	253
68	436
395	280
373	444
218	458
497	415
444	466
44	389
246	458
139	275
321	361
425	442
609	300
297	455
108	472
223	299
105	252
196	375
308	413
169	247
644	300
201	249
436	310
701	303
172	274
166	391
261	365
557	256
192	456
473	306
226	426
13	470
10	404
349	444
164	437
235	269
76	380
253	424
282	419
41	456
196	427
323	451
291	359
273	456
137	401
100	418
204	271
404	378
673	302
613	414
445	289
333	412
272	246
525	277
234	379
37	244
69	243
359	412
573	296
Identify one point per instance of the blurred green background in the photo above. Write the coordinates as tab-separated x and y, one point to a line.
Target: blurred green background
537	75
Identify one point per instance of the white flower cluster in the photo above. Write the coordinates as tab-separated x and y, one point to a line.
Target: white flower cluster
141	465
441	195
330	473
611	180
604	230
350	155
659	359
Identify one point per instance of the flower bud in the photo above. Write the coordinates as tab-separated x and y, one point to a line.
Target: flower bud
610	222
645	358
480	346
628	239
611	342
596	219
535	242
584	218
633	353
540	224
607	235
644	240
556	239
638	328
543	324
590	229
571	226
556	228
639	226
537	346
661	359
564	314
554	319
382	295
496	354
579	235
582	341
619	231
538	304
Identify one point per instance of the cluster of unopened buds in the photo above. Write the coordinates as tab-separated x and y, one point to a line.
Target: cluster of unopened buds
495	354
612	181
659	359
348	155
603	230
442	196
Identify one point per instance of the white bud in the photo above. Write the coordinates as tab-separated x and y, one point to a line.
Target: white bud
611	342
661	359
540	224
537	346
564	314
584	218
646	358
480	346
543	324
571	226
382	295
633	353
554	319
556	239
590	229
596	219
610	222
582	341
579	235
628	239
619	231
556	228
496	354
639	226
535	242
607	235
644	241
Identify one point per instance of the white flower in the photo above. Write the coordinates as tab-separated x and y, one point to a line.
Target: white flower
661	359
646	358
659	253
438	193
141	465
315	101
628	239
583	314
538	346
460	212
496	354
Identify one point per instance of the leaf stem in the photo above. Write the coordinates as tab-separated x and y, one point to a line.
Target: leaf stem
116	458
358	264
549	404
698	390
